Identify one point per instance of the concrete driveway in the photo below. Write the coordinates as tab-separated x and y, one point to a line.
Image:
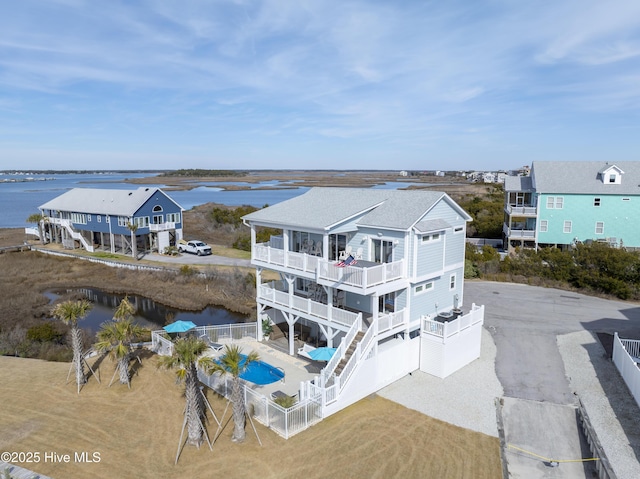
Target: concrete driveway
525	321
538	332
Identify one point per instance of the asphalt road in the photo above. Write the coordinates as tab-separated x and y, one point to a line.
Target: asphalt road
524	322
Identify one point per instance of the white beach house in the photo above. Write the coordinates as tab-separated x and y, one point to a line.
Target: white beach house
377	274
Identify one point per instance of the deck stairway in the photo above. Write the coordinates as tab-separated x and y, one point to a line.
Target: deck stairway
347	355
76	235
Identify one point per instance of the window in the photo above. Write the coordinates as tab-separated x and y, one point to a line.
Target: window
596	202
107	219
157	219
559	202
452	282
599	227
612	178
89	218
157	208
433	237
458	229
567	226
142	222
99	218
544	226
550	202
173	217
625	199
79	218
423	288
123	221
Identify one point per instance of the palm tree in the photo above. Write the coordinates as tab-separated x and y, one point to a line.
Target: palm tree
115	338
234	363
39	220
125	310
70	312
186	358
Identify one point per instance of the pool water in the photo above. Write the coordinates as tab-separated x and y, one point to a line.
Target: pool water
262	373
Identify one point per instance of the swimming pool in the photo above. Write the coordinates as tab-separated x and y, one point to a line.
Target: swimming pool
262	373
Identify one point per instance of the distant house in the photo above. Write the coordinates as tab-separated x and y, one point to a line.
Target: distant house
118	221
377	274
561	203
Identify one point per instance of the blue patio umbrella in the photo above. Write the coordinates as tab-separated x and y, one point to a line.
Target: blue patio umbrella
179	326
322	354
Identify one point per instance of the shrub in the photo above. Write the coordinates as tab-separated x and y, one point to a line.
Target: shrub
285	401
44	333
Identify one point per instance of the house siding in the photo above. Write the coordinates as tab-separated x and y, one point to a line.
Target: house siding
621	219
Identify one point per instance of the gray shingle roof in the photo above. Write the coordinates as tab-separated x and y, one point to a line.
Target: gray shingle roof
322	208
583	177
432	225
101	201
518	183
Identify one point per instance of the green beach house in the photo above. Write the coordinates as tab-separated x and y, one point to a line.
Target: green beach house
563	202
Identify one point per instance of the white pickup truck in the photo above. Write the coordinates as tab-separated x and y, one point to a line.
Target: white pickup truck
194	247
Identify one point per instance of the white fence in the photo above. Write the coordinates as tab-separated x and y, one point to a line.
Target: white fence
283	421
452	328
161	342
626	355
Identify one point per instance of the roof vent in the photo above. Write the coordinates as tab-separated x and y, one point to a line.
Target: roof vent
130	193
146	189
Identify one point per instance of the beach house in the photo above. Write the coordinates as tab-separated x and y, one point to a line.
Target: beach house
376	275
562	202
119	221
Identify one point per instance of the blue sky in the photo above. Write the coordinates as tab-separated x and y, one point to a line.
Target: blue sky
470	84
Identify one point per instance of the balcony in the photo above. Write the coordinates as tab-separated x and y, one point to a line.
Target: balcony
363	275
269	294
518	233
521	210
168	226
359	278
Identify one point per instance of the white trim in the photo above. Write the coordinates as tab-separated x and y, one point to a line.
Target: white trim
568	223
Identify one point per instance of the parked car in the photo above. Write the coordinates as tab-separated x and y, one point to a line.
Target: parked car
194	247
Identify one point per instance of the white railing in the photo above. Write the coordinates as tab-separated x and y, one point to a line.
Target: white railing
327	270
168	226
513	233
359	354
522	210
229	332
284	421
277	256
360	277
341	350
268	292
389	321
161	343
626	355
76	235
452	328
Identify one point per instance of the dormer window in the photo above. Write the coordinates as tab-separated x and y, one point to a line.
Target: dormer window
611	175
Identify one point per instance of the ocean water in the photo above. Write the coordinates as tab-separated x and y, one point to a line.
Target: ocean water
21	199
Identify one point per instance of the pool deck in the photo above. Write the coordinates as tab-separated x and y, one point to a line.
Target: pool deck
294	368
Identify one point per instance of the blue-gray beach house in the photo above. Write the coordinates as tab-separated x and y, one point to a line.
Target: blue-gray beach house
118	221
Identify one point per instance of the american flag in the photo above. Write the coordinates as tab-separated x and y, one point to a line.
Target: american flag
348	261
